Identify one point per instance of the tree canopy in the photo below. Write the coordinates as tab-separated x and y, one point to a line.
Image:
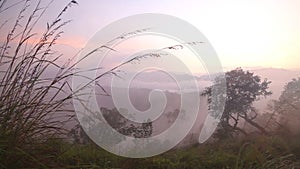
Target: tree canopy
243	88
288	106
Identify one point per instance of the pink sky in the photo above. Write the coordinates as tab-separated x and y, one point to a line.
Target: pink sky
244	33
249	33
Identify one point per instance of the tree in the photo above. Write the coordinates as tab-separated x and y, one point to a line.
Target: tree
288	106
125	126
116	121
243	88
290	97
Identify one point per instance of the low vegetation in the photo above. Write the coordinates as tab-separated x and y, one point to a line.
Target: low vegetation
256	152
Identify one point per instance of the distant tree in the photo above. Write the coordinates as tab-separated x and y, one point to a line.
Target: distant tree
243	88
288	105
290	97
116	121
125	126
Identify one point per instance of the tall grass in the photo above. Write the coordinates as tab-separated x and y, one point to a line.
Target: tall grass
33	86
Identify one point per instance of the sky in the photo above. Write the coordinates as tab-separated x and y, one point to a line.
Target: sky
248	33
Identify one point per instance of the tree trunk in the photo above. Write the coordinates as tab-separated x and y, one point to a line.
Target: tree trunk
256	125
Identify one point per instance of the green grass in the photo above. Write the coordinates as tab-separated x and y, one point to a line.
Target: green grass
260	152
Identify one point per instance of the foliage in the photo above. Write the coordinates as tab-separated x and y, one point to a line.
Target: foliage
255	152
243	88
116	121
288	106
125	126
